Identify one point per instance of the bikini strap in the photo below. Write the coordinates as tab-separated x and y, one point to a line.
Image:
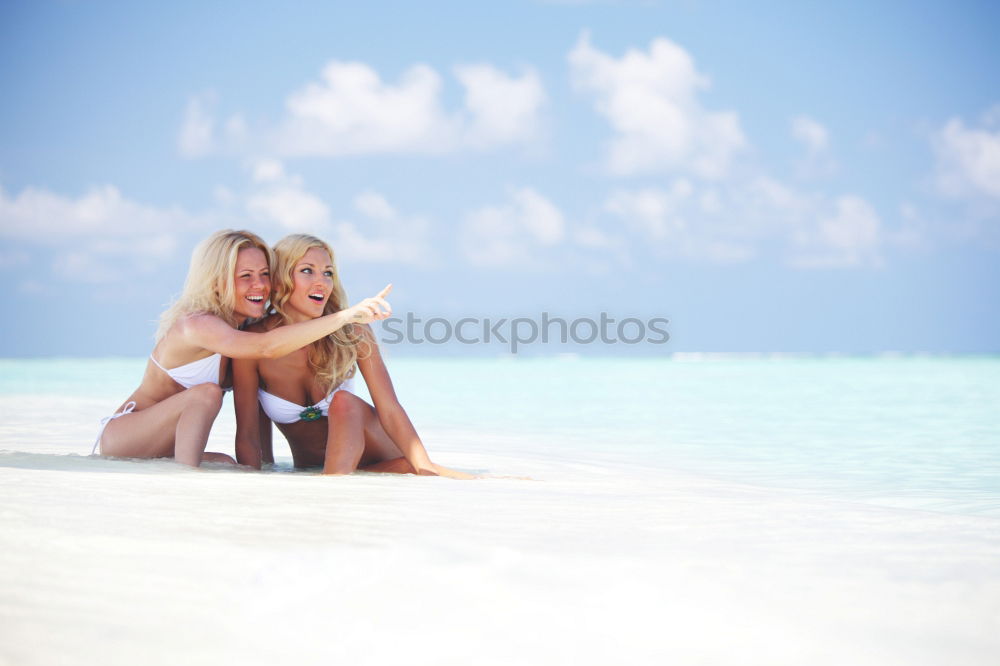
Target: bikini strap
127	409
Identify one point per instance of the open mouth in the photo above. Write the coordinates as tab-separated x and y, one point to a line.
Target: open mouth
319	298
255	299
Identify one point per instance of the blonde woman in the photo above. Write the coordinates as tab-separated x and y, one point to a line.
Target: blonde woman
307	393
172	411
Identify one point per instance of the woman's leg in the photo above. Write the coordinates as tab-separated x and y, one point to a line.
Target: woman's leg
177	426
379	452
345	439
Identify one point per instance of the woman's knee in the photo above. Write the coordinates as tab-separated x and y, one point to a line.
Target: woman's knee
208	395
344	404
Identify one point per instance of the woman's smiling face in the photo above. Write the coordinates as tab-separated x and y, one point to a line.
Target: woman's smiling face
312	280
253	283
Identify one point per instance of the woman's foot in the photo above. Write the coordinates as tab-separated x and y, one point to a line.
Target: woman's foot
210	456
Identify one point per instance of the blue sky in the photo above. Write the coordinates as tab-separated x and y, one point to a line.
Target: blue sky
802	177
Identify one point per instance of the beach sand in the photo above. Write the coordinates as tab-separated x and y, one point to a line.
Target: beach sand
592	560
121	562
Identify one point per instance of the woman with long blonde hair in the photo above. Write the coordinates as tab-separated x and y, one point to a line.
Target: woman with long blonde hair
307	393
228	283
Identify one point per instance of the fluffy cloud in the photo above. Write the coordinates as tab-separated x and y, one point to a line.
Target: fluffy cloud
849	236
282	199
651	101
810	133
382	234
512	233
352	111
749	219
503	109
374	232
968	158
679	221
45	218
98	237
375	206
652	211
198	135
815	138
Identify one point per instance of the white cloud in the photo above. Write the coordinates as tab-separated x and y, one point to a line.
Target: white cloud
848	237
594	237
758	217
767	202
374	205
512	233
267	170
45	218
810	133
968	158
291	207
815	138
815	230
378	233
98	237
651	101
654	212
223	196
912	232
352	111
504	109
382	234
710	202
679	221
236	130
197	134
282	199
539	216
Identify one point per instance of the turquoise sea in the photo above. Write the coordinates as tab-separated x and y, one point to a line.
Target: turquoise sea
922	432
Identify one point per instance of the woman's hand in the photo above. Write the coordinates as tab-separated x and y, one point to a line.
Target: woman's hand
371	309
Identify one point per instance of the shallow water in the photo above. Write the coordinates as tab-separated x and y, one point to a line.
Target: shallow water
787	511
921	432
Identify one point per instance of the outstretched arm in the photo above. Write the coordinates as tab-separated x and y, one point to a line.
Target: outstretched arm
211	333
248	416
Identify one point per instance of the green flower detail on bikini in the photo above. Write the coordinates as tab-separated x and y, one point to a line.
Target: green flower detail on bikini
310	413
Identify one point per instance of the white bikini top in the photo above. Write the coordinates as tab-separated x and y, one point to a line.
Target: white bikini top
203	371
280	410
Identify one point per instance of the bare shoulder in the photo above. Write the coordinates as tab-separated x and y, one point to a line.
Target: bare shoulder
197	321
180	332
